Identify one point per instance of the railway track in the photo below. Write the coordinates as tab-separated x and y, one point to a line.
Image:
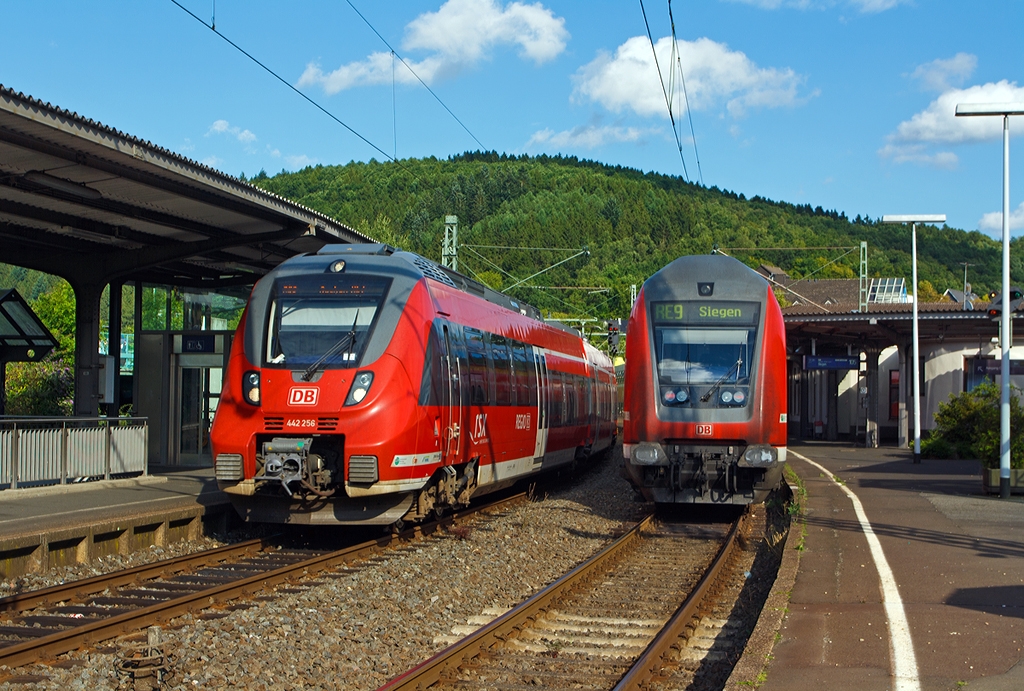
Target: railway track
613	622
42	624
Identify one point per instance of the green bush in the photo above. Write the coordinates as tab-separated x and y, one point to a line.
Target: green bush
40	388
938	447
969	424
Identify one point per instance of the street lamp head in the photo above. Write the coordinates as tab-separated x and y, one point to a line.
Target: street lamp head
914	218
968	109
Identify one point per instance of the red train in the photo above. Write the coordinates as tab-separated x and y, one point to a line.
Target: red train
705	385
368	385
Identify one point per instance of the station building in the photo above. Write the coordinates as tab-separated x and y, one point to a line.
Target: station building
850	359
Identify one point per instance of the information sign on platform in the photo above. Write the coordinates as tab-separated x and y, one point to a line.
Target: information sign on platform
831	362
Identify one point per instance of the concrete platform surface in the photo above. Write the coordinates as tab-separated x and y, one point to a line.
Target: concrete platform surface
920	587
39	509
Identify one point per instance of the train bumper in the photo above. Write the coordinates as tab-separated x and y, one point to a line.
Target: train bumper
684	474
261	508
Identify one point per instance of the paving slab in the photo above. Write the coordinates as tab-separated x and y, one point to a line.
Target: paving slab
955	554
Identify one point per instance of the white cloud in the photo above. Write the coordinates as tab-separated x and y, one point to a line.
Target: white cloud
224	127
714	74
919	153
299	162
941	75
460	34
938	122
994	220
587	136
865	6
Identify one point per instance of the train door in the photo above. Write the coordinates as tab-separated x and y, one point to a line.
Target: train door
543	402
451	405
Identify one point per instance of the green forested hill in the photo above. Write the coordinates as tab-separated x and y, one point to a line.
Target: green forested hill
632	223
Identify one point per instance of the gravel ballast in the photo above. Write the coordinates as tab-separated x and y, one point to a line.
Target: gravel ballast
360	630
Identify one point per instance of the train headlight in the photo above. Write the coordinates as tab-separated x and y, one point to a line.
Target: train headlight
727	397
360	387
251	387
649	454
669	396
760	455
682	396
739	398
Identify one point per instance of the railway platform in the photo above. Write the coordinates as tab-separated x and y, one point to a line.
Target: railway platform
901	576
59	525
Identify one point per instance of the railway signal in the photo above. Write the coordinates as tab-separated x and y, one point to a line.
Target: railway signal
614	335
995	307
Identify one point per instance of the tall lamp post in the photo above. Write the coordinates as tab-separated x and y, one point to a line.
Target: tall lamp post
1005	110
913	220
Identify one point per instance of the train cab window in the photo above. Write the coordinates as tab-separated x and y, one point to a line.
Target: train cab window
502	370
698	356
705	359
321	322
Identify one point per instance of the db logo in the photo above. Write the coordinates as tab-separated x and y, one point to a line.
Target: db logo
705	430
303	395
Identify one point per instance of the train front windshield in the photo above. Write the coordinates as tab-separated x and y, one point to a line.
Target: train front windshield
322	321
704	351
704	356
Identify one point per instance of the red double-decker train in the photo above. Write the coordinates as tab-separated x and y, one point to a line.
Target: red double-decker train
368	385
705	385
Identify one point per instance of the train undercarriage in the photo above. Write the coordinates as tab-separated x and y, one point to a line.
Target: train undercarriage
302	480
674	473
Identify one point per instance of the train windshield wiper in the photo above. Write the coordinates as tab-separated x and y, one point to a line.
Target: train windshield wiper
342	343
721	380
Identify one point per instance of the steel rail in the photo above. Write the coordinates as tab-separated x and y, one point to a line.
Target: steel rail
94	632
137	574
650	661
431	670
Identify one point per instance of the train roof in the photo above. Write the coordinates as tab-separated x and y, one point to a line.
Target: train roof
447	276
682	279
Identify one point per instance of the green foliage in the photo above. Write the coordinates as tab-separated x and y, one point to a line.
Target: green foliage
967	426
632	223
40	388
56	309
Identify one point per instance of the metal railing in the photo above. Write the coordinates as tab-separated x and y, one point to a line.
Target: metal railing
38	451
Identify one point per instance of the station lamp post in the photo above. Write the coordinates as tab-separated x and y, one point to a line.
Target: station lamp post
913	220
1005	110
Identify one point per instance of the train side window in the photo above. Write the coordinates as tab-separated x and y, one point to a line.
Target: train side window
433	379
557	399
502	370
477	366
520	369
531	377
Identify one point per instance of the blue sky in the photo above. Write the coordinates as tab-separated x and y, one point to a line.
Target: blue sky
846	104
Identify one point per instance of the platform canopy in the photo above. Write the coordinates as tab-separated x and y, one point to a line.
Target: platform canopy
85	201
96	206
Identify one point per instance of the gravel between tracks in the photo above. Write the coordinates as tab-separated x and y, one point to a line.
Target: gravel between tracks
359	631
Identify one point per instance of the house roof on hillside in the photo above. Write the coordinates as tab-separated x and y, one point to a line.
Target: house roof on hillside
825	292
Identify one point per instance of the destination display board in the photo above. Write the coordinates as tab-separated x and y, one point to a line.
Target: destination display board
706	312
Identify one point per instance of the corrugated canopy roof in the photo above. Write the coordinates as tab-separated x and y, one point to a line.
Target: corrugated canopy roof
84	201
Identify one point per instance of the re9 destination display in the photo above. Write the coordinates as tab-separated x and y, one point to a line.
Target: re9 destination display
705	312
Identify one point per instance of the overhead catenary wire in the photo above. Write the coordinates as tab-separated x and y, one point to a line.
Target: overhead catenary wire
413	72
664	91
686	97
283	81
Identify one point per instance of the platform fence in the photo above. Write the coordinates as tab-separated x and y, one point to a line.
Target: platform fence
44	451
